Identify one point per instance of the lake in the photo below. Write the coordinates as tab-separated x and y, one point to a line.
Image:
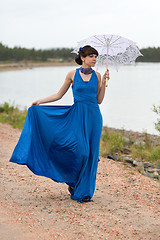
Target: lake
127	104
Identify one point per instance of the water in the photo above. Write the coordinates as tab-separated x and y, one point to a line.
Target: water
128	101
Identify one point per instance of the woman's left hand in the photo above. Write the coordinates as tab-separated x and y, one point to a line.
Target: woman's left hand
106	75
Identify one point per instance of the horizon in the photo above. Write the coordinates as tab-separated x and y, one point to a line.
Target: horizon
19	46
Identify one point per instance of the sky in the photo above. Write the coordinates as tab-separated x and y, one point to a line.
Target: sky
45	24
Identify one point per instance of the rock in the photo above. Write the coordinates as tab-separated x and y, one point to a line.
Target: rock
140	164
158	170
113	158
147	164
156	175
150	170
126	139
126	150
128	160
131	180
139	142
135	163
149	174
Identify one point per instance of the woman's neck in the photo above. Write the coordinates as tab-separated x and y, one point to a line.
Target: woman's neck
85	65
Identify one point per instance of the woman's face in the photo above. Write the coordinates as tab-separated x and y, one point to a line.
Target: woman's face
89	60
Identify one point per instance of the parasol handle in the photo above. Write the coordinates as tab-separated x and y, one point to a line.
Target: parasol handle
107	62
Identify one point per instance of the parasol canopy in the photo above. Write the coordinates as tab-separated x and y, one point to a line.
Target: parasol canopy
113	50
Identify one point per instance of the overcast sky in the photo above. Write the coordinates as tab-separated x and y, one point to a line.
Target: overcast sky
61	23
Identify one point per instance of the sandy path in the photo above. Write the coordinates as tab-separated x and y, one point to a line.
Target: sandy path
125	205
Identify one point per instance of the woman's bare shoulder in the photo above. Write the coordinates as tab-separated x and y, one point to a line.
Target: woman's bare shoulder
71	74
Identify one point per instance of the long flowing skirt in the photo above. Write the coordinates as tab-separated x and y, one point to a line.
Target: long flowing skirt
62	143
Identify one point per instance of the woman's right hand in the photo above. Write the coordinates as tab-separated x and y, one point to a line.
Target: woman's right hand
35	103
106	75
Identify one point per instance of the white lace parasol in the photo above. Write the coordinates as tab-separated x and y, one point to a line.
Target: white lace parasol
127	57
113	50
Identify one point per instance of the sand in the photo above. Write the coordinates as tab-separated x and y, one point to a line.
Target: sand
30	65
126	204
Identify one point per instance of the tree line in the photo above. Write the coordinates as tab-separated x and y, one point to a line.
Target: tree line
19	54
149	55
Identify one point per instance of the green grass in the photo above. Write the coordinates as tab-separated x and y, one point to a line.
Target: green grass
12	115
147	151
111	143
114	143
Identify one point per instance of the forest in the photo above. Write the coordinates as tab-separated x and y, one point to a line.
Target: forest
19	54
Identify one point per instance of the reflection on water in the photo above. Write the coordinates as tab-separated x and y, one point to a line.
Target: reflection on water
128	101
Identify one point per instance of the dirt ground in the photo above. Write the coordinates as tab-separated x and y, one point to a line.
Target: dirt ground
126	204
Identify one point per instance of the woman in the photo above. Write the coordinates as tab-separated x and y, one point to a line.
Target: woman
62	142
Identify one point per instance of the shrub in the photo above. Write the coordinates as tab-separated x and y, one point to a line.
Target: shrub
111	143
116	143
156	109
12	115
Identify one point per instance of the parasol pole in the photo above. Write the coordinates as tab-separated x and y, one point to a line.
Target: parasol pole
107	61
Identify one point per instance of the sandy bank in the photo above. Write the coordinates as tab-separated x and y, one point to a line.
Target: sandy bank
30	65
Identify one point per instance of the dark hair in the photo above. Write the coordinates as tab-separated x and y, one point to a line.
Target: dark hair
84	52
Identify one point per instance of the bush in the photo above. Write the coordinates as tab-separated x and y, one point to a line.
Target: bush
12	115
111	143
156	109
116	143
6	108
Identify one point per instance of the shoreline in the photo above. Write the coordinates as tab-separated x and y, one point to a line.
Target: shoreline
13	66
31	65
134	134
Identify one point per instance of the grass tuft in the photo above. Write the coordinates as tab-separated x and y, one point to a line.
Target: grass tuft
115	143
12	115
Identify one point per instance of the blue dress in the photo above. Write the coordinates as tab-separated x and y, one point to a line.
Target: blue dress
62	142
